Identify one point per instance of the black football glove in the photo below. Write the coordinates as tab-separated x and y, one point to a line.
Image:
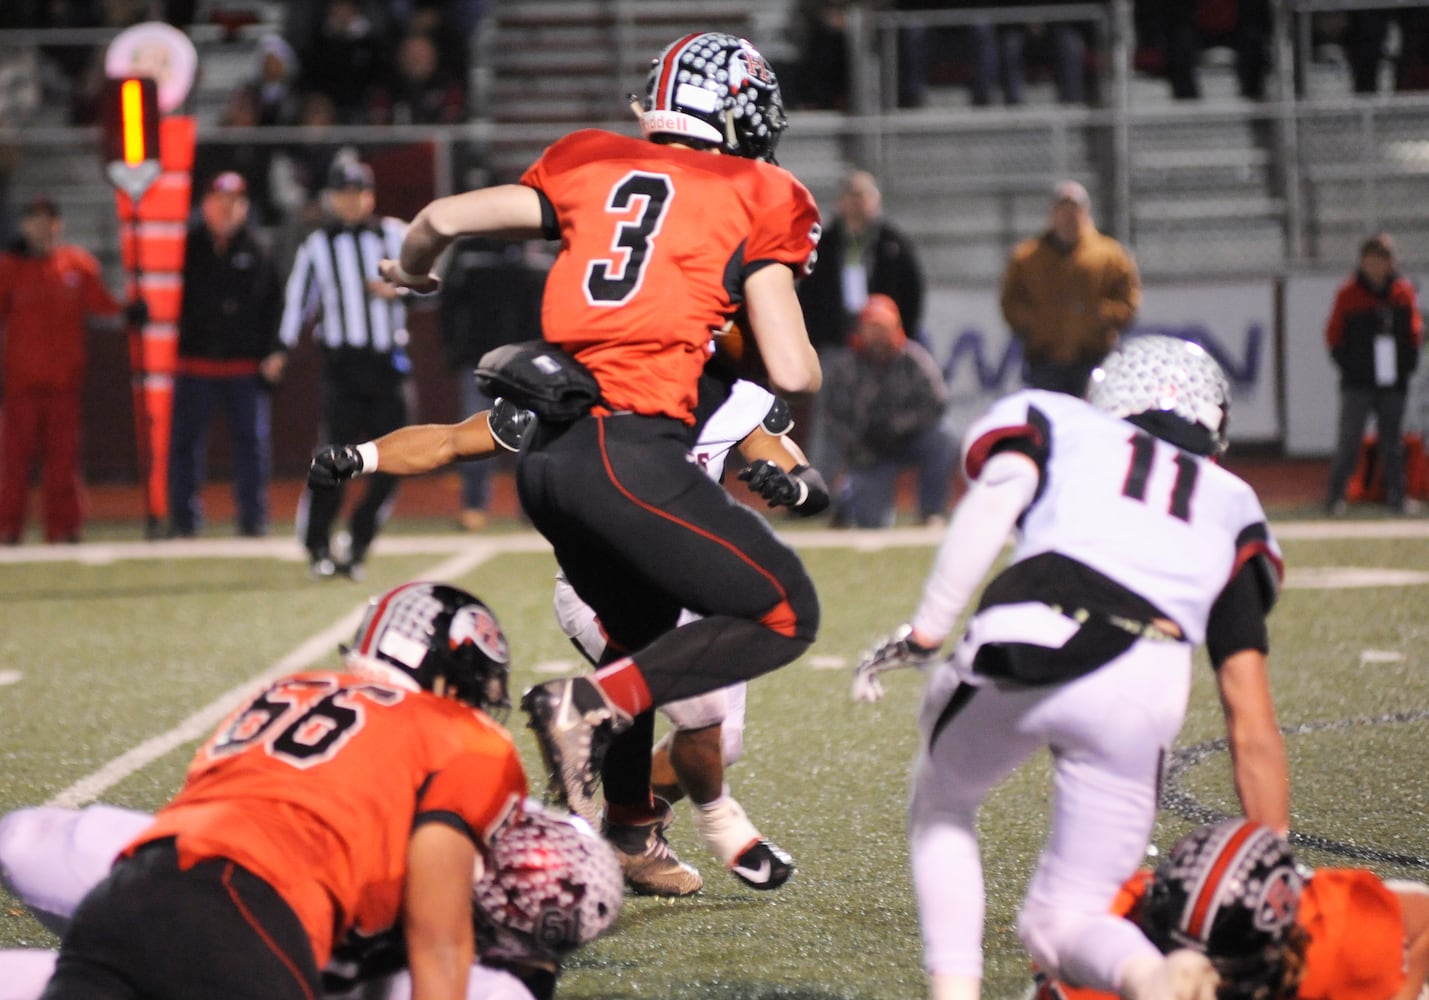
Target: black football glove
508	423
136	313
337	463
801	489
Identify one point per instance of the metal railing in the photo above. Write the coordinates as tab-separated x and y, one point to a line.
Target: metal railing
1279	183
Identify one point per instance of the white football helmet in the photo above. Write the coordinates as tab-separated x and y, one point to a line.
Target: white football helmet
714	89
551	885
1169	387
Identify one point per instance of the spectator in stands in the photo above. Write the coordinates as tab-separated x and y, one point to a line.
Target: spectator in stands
417	91
274	82
1181	31
1067	295
450	24
49	292
1374	333
491	296
228	324
823	77
861	253
345	60
1001	53
886	398
252	160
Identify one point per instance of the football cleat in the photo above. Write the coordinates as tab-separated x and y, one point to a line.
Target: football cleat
727	832
573	722
650	864
763	866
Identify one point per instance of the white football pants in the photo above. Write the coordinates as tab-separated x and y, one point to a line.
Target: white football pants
1108	732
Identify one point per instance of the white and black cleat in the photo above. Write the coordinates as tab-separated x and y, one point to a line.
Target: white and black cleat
763	866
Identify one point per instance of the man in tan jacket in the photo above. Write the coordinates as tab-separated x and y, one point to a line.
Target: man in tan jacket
1068	294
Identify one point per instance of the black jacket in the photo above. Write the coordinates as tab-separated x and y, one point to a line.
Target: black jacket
893	271
1360	314
231	301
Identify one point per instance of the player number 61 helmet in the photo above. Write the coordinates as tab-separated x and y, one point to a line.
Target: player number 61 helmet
1169	387
551	885
1231	891
434	637
716	90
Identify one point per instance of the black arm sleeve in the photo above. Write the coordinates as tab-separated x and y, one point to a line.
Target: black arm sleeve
1237	619
550	225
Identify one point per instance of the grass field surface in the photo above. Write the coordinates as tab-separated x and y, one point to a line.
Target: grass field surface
119	657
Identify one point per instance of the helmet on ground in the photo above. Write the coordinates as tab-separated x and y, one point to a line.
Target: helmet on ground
551	885
1231	891
713	89
434	637
1169	387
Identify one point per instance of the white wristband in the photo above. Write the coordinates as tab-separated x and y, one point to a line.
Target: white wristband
367	451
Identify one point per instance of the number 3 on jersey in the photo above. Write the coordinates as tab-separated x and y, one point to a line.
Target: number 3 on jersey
1143	450
612	281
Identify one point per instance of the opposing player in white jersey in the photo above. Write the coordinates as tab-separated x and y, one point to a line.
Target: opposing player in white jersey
708	733
1134	546
551	886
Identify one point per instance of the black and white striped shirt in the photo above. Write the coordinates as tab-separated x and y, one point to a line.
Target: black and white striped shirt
328	285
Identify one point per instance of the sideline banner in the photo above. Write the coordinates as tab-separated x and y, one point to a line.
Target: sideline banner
1234	321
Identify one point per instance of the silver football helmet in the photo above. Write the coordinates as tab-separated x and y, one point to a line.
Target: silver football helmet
717	90
551	885
1168	386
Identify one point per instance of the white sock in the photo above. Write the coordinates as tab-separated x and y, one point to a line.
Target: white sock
724	828
942	986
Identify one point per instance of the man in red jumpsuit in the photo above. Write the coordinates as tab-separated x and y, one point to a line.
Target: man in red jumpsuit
47	293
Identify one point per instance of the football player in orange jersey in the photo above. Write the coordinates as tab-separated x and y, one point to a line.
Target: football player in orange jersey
1232	891
664	239
331	802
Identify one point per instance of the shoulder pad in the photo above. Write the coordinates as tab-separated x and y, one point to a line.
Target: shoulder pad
779	420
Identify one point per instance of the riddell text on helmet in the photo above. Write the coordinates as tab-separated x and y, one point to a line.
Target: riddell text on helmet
656	121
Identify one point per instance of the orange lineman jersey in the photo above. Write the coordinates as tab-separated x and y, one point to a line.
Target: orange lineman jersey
316	785
1356	949
656	242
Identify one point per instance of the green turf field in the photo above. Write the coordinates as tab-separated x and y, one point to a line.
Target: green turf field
103	658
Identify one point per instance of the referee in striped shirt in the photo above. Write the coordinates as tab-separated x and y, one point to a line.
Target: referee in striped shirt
360	322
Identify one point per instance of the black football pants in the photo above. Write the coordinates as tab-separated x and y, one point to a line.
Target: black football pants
641	532
150	932
353	416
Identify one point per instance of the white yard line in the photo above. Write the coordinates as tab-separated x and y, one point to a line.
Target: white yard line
862	540
200	723
467	553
